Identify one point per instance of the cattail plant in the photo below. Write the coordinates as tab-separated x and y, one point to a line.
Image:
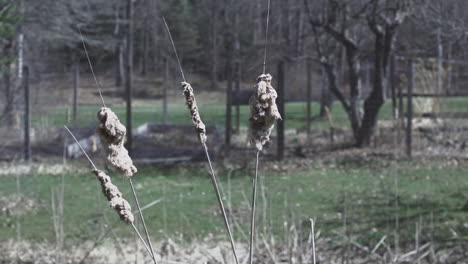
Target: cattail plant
201	133
112	134
191	102
114	196
264	112
116	200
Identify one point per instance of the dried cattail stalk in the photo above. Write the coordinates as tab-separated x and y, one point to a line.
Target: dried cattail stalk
192	105
264	112
114	196
112	134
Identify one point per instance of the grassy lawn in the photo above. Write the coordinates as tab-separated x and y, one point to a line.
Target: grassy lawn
215	114
364	198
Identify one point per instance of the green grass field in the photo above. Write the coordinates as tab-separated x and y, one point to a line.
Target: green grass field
363	196
215	114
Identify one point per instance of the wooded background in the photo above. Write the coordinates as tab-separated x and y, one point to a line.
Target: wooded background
346	46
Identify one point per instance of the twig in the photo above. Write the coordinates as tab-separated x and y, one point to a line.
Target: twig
254	209
91	66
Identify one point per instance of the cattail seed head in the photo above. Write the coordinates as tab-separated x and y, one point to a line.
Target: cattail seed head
115	198
112	134
192	105
264	112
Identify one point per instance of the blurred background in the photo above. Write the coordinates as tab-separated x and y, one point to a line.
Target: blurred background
372	145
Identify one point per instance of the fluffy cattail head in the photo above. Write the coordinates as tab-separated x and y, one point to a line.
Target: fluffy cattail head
112	134
114	196
110	123
264	112
192	105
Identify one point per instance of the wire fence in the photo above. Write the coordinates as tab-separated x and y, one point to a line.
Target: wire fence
438	116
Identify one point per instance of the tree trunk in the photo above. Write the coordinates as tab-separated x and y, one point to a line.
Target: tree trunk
309	96
354	66
376	98
325	98
332	81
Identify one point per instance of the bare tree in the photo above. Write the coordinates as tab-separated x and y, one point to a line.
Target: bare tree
349	24
383	20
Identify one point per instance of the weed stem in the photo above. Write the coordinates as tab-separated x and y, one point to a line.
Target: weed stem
254	210
81	147
220	201
142	218
92	70
143	241
266	38
312	224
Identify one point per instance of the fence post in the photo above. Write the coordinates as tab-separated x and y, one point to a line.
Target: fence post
309	96
280	126
440	55
392	85
400	103
27	112
129	73
238	78
76	85
165	86
409	126
228	106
